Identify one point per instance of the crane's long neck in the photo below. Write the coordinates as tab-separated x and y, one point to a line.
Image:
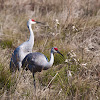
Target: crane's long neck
51	59
31	39
50	63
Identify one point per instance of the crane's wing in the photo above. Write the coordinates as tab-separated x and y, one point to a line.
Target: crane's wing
34	62
15	59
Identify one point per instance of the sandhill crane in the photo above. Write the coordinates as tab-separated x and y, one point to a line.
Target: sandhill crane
36	62
21	51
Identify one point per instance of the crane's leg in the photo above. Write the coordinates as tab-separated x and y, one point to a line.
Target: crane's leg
11	67
34	82
19	66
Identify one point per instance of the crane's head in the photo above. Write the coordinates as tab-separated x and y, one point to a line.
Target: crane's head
55	50
32	21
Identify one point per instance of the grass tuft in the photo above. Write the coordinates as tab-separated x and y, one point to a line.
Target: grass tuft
6	44
5	80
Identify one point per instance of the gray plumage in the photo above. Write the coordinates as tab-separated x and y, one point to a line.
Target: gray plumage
24	49
36	62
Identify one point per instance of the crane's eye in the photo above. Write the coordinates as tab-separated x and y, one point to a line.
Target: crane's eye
56	49
33	20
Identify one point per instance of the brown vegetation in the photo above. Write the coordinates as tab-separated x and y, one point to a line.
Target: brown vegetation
71	25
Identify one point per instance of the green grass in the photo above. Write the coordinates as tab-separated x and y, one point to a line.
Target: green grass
62	70
6	44
5	80
58	59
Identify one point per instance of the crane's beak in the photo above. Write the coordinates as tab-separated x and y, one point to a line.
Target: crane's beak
60	53
39	22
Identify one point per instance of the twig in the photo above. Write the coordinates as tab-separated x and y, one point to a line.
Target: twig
51	81
60	79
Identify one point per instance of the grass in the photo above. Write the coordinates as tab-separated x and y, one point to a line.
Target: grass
6	44
84	83
5	79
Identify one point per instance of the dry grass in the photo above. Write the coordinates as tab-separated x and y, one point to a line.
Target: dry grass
76	34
